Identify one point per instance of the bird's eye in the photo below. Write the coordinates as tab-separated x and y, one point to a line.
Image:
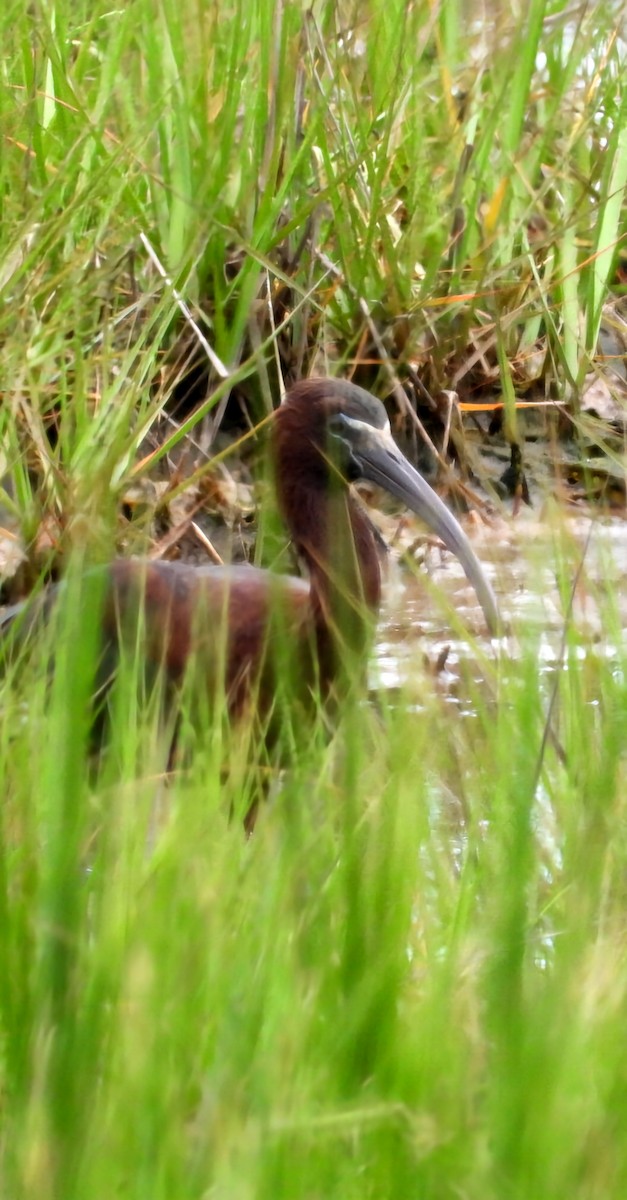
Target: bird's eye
342	436
339	428
338	432
338	425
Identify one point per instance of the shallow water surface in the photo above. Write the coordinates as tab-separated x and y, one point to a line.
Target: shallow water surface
544	570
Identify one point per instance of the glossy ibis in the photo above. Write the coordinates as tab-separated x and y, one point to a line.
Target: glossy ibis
239	626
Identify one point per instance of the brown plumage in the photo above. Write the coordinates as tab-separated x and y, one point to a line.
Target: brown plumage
241	626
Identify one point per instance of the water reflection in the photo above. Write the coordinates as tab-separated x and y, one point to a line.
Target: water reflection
569	569
532	565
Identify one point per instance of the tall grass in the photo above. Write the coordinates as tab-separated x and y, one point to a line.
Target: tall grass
412	979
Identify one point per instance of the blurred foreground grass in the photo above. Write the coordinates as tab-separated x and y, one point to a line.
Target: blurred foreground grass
411	980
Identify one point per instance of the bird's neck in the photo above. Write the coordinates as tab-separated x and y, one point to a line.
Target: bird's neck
335	540
333	537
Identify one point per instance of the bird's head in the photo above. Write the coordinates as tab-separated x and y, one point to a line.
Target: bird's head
349	432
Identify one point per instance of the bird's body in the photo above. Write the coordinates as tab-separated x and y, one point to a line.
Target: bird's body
215	620
243	628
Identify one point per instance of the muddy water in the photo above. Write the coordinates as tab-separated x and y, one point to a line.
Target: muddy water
538	566
532	564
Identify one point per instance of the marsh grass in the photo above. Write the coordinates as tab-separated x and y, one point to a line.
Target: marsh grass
412	979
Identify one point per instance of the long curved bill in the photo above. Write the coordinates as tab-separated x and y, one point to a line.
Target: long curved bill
382	462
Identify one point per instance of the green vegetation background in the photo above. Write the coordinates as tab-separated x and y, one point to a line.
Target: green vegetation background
412	980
